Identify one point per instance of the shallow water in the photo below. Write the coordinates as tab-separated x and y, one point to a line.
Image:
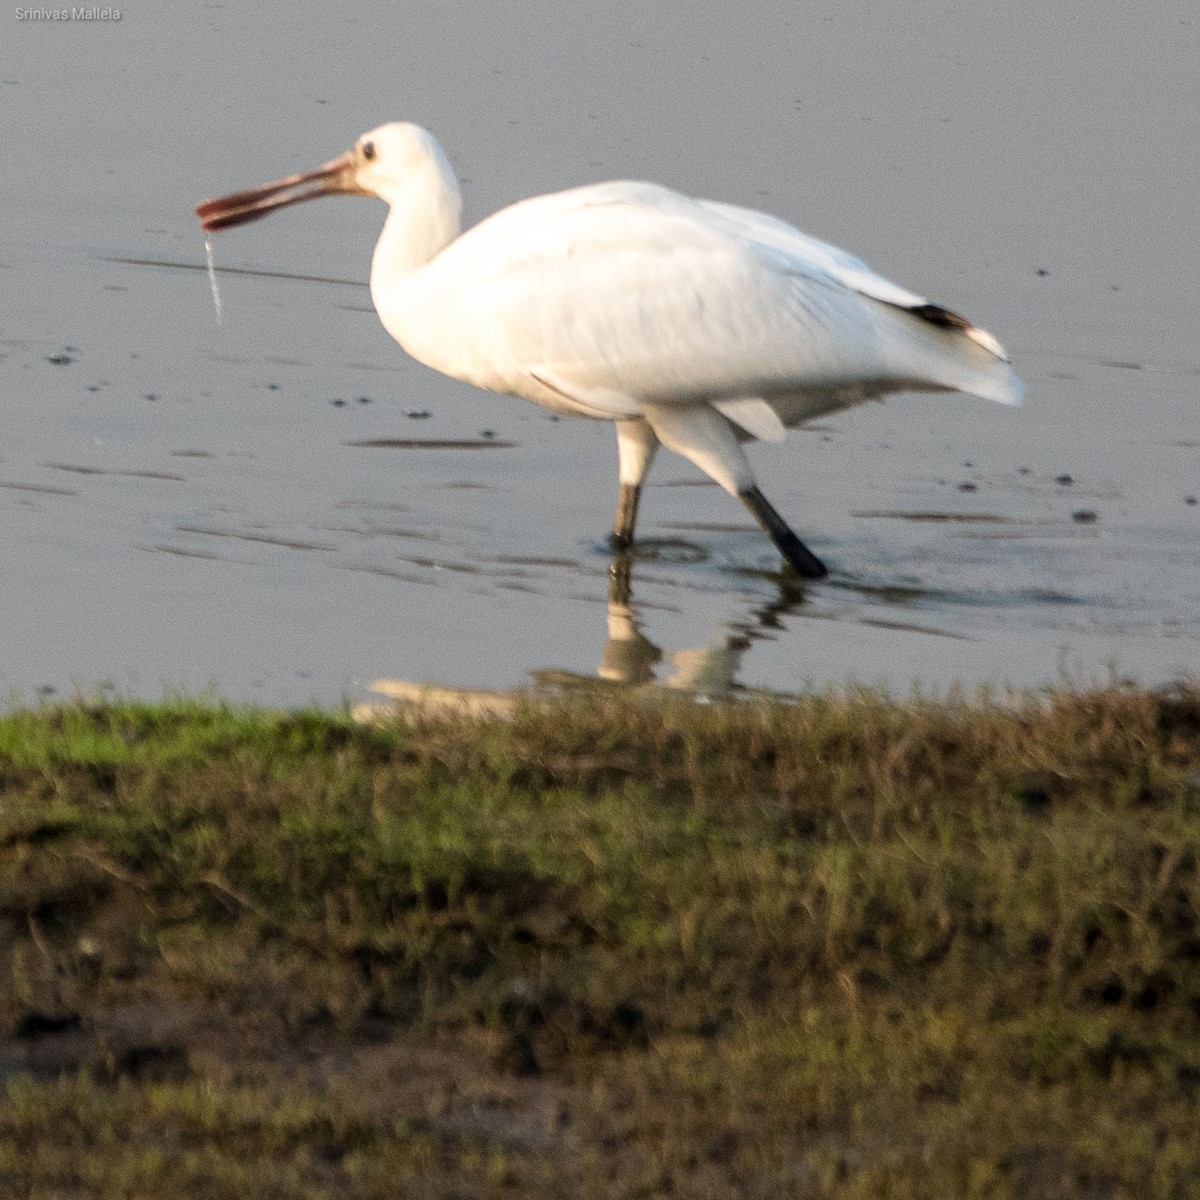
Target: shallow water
284	508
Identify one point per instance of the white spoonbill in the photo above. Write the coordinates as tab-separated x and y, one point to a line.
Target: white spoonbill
686	322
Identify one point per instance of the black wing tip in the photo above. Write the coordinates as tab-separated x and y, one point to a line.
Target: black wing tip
944	318
935	314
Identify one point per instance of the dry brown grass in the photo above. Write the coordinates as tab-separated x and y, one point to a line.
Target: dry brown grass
845	947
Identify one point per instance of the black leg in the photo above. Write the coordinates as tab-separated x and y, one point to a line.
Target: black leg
802	560
627	507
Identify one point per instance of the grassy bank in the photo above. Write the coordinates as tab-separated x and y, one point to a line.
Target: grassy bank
843	948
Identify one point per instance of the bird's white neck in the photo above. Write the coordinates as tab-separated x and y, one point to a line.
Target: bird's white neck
423	219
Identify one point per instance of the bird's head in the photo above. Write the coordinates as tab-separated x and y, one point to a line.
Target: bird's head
382	163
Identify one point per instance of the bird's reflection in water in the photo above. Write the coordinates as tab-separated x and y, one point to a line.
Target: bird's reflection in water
629	658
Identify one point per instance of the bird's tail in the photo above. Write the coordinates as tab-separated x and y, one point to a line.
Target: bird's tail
935	346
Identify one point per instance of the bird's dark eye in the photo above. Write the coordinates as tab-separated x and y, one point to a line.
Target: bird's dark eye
368	150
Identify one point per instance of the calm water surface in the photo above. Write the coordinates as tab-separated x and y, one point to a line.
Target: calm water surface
247	507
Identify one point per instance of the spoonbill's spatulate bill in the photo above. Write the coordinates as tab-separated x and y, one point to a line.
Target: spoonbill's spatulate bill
687	322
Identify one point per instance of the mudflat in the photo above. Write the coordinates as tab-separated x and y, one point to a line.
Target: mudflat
283	508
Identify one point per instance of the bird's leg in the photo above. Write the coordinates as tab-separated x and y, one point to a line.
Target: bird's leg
802	560
636	444
704	436
627	507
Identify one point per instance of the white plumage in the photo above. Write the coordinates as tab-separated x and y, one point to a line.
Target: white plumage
690	323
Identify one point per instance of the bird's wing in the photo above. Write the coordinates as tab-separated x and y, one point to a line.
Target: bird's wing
630	292
850	271
771	233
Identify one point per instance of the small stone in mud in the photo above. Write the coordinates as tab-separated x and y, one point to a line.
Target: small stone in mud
1085	516
968	487
419	414
1065	480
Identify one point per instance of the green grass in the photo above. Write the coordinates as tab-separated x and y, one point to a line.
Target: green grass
845	947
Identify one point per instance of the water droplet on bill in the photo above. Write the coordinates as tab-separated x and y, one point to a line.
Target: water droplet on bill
212	278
